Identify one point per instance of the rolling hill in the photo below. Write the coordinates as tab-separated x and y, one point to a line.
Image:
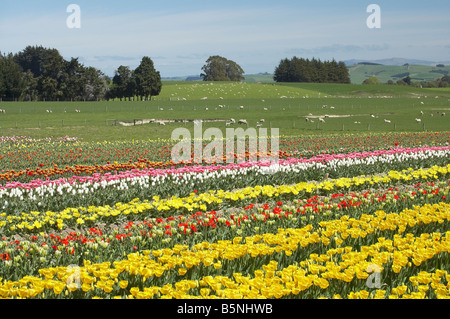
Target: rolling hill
360	72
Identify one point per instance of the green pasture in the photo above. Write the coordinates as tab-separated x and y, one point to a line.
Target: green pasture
349	108
360	72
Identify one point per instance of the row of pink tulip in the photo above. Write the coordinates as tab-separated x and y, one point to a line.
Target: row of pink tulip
322	158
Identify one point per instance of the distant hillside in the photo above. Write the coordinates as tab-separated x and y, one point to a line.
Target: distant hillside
397	62
360	72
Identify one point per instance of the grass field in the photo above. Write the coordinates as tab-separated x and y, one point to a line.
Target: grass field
349	108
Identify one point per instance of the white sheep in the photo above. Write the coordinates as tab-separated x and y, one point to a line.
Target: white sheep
241	107
265	109
243	122
387	121
321	120
262	120
2	111
418	120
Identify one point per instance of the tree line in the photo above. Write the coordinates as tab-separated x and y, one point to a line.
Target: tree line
42	74
311	71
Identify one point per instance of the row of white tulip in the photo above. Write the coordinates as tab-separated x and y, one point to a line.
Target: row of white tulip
182	182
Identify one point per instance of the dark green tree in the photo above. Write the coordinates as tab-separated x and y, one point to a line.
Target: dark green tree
407	80
73	81
281	73
314	70
122	84
12	81
218	68
147	79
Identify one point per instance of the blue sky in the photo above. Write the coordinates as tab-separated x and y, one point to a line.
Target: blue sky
179	35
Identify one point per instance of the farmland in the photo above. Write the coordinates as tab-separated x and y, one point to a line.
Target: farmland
287	107
355	208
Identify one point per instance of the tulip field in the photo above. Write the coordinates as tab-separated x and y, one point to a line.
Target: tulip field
340	215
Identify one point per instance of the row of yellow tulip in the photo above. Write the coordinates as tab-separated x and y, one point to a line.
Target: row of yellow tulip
438	281
341	263
38	221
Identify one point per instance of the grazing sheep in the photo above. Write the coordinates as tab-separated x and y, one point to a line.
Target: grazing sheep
204	98
259	125
321	120
161	123
241	107
418	120
232	121
265	109
443	114
206	109
371	115
421	113
2	111
262	120
243	122
307	119
387	121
